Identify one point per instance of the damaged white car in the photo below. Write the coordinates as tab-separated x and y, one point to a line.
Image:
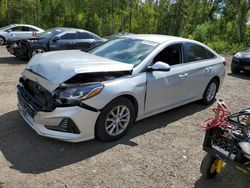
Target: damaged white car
76	96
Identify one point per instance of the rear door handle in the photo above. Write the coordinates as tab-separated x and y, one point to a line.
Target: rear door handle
183	75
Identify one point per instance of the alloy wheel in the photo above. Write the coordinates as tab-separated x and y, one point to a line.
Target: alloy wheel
117	120
211	91
1	40
37	51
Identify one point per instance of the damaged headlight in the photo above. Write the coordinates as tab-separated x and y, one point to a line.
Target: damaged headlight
75	94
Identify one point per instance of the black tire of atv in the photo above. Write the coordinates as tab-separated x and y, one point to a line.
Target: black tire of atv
206	165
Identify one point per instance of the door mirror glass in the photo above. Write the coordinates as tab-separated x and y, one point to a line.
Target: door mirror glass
159	66
56	38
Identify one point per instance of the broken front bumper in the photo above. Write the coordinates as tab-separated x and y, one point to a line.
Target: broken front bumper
83	119
18	51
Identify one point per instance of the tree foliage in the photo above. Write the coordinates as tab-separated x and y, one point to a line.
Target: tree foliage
218	23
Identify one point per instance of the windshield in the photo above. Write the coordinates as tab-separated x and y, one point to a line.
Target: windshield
5	27
49	33
123	49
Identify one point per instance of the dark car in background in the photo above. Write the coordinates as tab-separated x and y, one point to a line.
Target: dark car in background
53	39
241	61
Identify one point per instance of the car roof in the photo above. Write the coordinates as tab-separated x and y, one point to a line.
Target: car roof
69	29
155	37
24	25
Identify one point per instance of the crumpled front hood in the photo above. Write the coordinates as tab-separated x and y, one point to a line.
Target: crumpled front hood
24	38
59	66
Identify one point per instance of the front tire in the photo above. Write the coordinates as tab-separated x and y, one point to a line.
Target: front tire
2	41
35	51
210	92
115	119
206	167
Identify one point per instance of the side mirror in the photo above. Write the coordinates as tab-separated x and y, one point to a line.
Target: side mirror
8	31
91	41
56	38
159	66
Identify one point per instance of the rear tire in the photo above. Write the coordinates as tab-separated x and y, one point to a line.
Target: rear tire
235	69
2	41
113	122
206	165
210	92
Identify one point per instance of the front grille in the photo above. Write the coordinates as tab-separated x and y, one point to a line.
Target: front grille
37	96
35	88
25	106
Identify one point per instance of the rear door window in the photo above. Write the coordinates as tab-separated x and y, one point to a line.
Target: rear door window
194	52
31	29
83	35
25	28
68	36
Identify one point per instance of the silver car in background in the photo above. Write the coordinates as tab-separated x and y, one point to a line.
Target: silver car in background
13	31
75	96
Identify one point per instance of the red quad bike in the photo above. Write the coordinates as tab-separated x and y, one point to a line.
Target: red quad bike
227	140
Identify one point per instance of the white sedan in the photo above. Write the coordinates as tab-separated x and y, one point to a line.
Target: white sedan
13	31
75	96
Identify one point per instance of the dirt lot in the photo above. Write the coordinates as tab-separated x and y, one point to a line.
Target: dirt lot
162	151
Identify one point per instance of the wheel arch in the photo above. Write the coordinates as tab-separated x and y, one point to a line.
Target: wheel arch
31	49
3	37
133	100
130	97
217	78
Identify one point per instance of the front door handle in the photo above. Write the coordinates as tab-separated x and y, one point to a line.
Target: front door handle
208	69
183	75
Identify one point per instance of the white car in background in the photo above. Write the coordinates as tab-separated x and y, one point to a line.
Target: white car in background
13	31
75	96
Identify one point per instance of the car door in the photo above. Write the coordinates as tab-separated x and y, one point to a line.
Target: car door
166	89
199	65
66	41
25	32
15	31
84	40
32	31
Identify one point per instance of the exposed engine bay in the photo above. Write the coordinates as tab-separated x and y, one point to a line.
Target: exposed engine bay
42	100
96	77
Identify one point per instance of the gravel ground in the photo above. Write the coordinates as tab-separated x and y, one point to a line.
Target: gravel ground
162	151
